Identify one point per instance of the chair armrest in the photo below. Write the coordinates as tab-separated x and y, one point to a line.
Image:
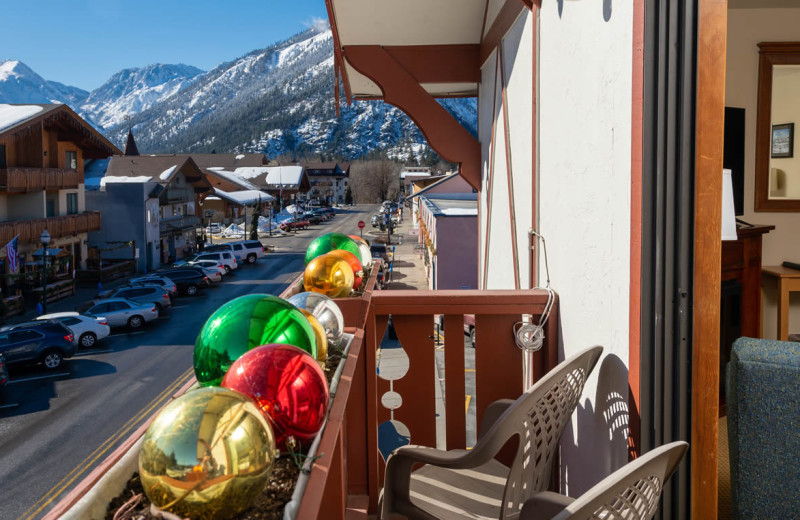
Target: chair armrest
492	413
397	481
544	506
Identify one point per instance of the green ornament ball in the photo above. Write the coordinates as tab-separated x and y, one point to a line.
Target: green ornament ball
243	324
328	242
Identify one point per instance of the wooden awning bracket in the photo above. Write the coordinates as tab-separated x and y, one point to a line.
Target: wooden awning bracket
400	88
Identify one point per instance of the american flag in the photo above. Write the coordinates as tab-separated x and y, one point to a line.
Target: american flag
11	253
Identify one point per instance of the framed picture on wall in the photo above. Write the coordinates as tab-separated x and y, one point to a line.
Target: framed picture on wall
783	141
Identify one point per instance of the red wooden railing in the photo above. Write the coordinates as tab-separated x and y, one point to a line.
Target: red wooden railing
349	474
66	225
20	180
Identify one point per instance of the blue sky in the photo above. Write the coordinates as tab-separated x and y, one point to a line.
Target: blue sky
83	42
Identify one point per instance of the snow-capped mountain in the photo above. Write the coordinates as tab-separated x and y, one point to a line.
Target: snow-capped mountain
131	91
280	100
277	100
20	84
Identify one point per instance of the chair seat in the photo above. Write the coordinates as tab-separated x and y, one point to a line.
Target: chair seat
460	493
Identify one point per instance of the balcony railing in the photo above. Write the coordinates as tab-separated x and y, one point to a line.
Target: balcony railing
349	473
21	180
179	223
58	227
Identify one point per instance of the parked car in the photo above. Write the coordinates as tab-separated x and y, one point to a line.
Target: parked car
328	211
3	374
380	252
226	258
214	228
154	294
88	330
376	220
211	269
188	279
469	328
314	218
153	279
121	312
249	250
294	223
45	341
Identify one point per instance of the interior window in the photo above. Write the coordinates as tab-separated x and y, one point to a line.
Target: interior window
72	203
70	321
118	306
71	159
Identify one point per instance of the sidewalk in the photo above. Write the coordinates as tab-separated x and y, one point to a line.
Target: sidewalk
70	303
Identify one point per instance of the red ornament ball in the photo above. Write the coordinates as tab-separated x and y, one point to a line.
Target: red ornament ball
288	385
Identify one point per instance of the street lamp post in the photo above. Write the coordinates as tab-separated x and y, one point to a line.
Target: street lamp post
45	238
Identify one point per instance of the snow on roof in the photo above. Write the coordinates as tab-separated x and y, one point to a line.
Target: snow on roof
454	212
234	178
10	115
240	157
284	175
113	179
166	174
405	174
244	196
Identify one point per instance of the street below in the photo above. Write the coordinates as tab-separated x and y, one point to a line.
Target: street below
56	427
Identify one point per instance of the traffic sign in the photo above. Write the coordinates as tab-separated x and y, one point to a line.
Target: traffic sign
361	224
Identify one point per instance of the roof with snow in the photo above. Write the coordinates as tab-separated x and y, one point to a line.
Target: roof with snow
243	197
464	205
228	181
226	161
161	169
327	169
60	120
275	178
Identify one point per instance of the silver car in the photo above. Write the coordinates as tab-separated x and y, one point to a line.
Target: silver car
154	294
121	312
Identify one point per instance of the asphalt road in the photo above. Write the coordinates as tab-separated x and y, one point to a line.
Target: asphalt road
60	426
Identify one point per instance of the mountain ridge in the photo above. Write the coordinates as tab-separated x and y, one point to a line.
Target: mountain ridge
278	100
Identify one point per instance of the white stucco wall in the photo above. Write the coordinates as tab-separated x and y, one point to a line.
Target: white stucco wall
746	28
503	229
584	213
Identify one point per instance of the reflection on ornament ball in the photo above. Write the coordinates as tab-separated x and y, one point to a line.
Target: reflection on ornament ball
326	311
365	255
327	243
320	335
329	275
244	323
207	454
288	385
358	239
355	265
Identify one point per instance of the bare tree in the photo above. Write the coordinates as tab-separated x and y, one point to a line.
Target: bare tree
374	181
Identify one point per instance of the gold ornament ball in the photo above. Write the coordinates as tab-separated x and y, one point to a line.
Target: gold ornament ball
207	455
321	335
329	275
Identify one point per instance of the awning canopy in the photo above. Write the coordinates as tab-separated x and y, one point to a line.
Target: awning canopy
51	251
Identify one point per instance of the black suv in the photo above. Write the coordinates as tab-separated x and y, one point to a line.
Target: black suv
189	280
43	341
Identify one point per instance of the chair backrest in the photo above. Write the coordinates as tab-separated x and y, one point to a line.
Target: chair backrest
538	418
630	493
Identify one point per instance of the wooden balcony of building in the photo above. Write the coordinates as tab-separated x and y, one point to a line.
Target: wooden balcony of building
23	180
346	480
58	227
185	222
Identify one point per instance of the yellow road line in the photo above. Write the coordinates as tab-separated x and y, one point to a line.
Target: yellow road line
466	406
81	468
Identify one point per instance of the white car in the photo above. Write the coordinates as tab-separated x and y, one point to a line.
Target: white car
212	269
88	330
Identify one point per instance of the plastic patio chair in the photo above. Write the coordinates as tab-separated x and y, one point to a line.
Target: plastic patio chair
473	484
630	493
